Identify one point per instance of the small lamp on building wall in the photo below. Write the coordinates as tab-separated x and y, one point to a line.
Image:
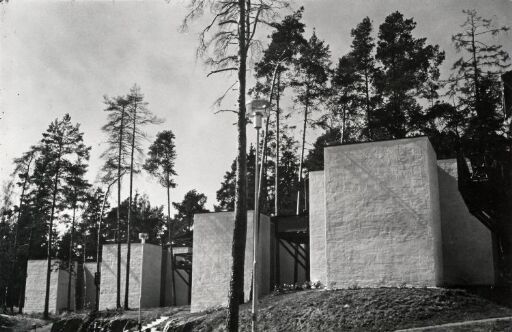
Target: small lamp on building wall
142	237
257	109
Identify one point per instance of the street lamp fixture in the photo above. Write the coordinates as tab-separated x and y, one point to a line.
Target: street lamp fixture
142	237
256	108
79	247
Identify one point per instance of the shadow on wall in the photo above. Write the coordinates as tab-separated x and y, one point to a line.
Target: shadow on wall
466	242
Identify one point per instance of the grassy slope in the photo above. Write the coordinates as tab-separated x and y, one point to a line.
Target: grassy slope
381	309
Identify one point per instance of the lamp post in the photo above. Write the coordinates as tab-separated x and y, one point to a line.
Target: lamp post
256	108
142	237
84	293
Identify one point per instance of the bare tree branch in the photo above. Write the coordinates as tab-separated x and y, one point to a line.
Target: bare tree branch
221	111
221	70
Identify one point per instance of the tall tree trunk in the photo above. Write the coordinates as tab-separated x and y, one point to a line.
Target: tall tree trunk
29	254
343	125
49	245
301	165
98	246
276	184
16	235
70	258
367	92
169	229
264	156
236	284
118	213
262	183
128	223
475	68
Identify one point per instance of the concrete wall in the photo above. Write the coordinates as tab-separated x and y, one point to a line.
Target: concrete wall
467	243
62	289
318	268
435	210
381	214
168	278
36	287
151	276
211	266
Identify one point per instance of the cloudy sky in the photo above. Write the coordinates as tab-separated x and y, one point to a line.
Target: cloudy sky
63	56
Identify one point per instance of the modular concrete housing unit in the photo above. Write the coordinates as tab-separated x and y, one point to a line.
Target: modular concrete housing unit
35	289
384	214
211	266
150	263
83	288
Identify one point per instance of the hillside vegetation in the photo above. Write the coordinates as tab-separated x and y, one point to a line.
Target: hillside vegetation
382	309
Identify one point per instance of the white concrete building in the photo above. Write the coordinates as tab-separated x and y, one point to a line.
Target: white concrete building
385	214
35	288
211	266
150	263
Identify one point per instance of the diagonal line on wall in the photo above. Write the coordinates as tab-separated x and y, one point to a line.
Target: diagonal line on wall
382	184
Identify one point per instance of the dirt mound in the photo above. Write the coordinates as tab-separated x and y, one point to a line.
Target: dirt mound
382	309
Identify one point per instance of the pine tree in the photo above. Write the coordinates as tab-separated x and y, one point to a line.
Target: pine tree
405	63
364	69
315	158
228	48
23	167
7	248
193	202
344	112
444	125
115	156
288	170
310	82
148	219
75	194
227	191
475	83
160	164
139	116
286	40
94	212
62	142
